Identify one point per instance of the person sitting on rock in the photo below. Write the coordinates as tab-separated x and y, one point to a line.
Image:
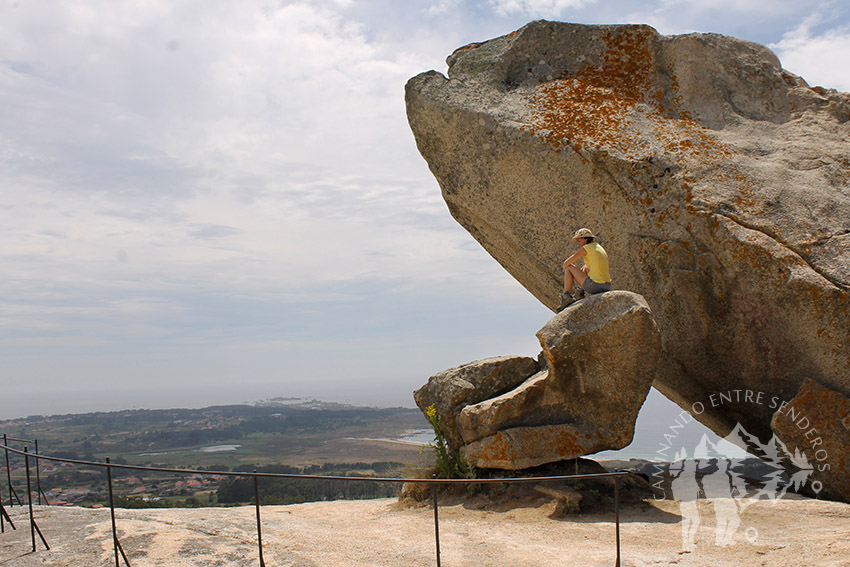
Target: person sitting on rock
593	277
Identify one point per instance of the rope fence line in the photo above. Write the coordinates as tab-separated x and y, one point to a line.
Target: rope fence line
120	553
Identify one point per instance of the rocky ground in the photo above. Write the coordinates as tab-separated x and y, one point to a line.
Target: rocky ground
382	532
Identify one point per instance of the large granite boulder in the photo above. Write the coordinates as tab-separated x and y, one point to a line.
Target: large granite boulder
600	355
718	182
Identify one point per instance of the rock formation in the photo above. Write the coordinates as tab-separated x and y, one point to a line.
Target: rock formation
596	371
718	182
452	390
817	423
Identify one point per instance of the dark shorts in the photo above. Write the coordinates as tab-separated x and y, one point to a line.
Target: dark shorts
592	287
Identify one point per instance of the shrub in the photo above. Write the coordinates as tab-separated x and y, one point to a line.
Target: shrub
449	462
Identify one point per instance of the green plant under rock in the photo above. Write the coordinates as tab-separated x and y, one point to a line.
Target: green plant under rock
449	463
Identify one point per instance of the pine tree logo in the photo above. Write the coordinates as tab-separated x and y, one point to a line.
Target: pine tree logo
789	469
711	473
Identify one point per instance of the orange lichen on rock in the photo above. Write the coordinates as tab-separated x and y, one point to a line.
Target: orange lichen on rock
598	106
575	113
618	108
572	112
524	447
628	65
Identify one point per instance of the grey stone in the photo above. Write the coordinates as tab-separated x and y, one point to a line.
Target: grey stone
718	182
451	390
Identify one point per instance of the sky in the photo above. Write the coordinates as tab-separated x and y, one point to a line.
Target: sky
208	201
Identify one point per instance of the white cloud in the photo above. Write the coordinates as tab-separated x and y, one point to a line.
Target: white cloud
725	7
159	155
537	8
241	117
817	57
442	7
746	19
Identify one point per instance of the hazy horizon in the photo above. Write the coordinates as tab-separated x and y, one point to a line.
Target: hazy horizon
77	402
654	421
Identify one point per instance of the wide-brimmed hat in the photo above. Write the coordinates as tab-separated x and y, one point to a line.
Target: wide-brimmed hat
583	233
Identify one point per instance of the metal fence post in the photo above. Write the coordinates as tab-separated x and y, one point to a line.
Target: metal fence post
38	490
12	494
29	498
33	525
4	516
259	525
8	472
617	514
436	520
112	511
116	545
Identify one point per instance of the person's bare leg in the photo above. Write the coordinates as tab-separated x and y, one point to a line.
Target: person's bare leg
568	280
573	274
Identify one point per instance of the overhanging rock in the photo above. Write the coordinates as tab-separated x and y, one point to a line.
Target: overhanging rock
718	182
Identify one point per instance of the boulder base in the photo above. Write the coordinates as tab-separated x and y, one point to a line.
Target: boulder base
817	423
600	354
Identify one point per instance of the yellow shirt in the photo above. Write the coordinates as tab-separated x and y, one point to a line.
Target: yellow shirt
597	260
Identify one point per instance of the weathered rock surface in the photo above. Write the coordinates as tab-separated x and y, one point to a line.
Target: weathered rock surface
817	423
601	354
718	182
452	390
349	533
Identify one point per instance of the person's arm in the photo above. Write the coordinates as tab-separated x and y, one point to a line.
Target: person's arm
575	257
